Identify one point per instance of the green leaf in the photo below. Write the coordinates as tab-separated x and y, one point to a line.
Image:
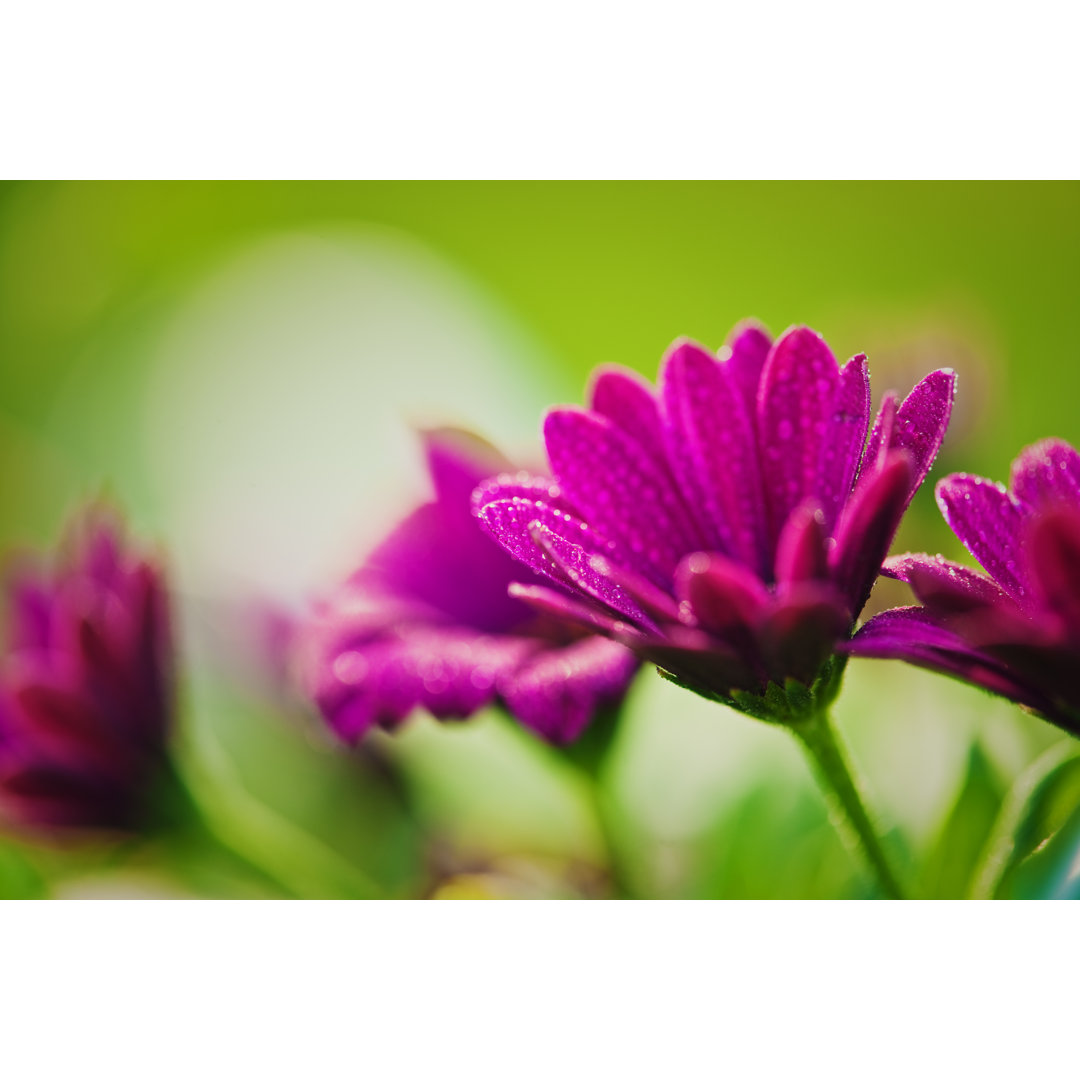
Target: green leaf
949	868
1040	803
1053	871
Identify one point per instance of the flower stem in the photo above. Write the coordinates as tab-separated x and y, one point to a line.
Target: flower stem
853	821
590	756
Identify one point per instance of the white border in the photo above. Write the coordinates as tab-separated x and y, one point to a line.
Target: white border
536	990
569	88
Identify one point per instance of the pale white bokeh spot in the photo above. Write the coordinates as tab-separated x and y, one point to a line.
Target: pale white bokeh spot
283	393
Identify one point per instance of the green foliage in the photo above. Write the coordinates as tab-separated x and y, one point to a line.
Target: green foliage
1027	855
19	878
949	866
774	842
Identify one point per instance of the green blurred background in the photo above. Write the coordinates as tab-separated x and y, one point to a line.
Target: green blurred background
241	365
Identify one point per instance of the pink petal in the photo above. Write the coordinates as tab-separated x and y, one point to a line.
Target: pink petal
795	405
988	522
1045	473
843	446
620	489
714	435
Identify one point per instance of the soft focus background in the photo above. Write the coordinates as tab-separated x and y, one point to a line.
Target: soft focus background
242	367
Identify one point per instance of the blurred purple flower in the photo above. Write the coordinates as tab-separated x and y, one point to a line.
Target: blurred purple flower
727	526
85	702
427	621
1016	632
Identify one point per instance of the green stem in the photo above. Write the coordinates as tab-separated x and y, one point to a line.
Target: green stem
601	804
826	753
590	756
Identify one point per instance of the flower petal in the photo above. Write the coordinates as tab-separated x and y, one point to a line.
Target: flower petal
630	403
1052	551
725	599
795	404
988	522
867	526
575	564
800	552
566	609
450	671
458	460
921	422
801	631
443	559
910	634
510	522
744	359
556	692
520	485
620	489
714	435
943	586
843	446
1047	472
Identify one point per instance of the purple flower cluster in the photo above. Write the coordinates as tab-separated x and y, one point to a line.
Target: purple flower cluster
727	526
1016	632
85	702
427	620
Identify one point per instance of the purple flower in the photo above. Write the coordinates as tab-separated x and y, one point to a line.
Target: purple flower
1016	632
728	525
85	703
427	621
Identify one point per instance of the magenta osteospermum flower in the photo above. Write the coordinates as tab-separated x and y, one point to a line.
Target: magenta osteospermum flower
85	686
728	526
1016	632
427	621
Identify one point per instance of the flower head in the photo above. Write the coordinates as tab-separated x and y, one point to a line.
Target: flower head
1017	631
427	620
728	525
85	705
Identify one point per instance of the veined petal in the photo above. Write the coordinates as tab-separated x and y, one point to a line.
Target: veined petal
942	585
576	566
800	552
1047	472
619	488
921	422
715	436
450	671
867	526
988	522
556	691
881	435
657	602
520	485
630	403
744	359
843	446
567	609
795	403
725	599
510	522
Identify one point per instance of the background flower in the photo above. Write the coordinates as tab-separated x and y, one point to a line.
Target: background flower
427	621
1016	632
85	686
